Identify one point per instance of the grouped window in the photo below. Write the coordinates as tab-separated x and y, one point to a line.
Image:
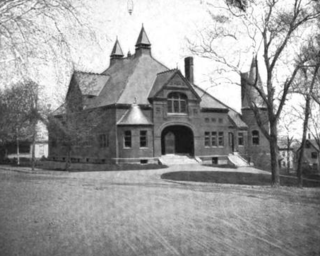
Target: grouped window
240	139
177	103
255	137
128	142
213	139
103	140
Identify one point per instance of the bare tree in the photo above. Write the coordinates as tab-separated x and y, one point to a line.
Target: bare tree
42	33
271	26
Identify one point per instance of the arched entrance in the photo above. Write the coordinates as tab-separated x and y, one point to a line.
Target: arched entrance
177	139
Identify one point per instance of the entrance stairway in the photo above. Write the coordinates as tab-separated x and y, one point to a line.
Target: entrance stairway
173	159
237	160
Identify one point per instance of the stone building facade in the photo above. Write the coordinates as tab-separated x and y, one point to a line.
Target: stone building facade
145	111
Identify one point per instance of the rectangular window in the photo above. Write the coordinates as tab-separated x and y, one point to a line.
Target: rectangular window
213	120
240	139
143	139
207	139
127	139
102	141
170	104
183	106
214	139
220	120
176	106
314	155
221	139
207	120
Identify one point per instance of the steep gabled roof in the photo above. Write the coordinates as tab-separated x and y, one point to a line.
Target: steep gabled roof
208	101
130	78
314	144
164	78
134	116
90	83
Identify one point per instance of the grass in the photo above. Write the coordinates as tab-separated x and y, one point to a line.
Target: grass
234	178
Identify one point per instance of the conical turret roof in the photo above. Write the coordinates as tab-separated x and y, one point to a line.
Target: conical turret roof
248	81
134	116
143	40
116	51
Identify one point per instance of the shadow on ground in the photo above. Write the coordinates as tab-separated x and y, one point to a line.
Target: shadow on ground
234	178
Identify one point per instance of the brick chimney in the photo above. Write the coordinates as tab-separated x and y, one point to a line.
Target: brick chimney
188	68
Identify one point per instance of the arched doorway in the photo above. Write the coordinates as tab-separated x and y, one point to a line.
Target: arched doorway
177	139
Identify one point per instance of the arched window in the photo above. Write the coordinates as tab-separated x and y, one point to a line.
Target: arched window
177	103
255	137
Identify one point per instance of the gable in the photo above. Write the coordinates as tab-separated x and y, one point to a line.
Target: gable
169	81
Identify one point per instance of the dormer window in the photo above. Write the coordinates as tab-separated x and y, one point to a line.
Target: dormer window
177	103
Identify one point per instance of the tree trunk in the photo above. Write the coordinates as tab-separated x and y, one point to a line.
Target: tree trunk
33	158
303	143
275	177
18	152
67	166
288	154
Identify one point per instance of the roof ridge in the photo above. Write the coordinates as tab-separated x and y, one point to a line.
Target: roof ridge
91	73
166	71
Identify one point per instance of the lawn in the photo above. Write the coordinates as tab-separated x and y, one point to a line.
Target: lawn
235	178
138	213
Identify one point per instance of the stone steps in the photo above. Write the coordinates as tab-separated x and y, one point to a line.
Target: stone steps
173	159
237	160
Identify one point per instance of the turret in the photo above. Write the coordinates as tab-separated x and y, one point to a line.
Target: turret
143	44
248	91
116	53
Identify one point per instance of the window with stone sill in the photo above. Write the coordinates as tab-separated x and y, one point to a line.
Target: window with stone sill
177	103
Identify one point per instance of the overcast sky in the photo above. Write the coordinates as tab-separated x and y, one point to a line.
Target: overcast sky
167	22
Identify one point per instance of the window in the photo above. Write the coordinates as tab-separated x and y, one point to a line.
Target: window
143	139
314	155
213	120
177	103
207	139
220	120
221	139
240	139
127	139
255	138
103	141
207	120
214	139
53	143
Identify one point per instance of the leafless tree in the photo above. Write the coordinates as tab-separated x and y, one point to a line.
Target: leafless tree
272	27
39	33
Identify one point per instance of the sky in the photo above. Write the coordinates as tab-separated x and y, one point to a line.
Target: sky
167	23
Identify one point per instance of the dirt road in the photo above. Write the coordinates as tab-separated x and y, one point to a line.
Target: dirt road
137	213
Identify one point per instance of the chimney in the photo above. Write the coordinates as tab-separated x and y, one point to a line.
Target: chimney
188	68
